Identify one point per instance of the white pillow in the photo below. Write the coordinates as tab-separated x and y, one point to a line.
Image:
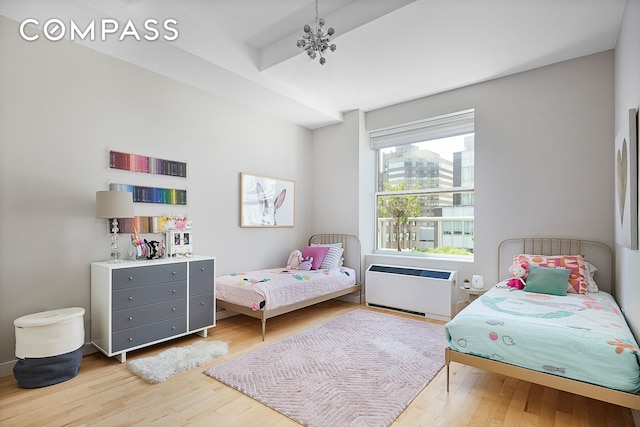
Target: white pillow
591	283
333	257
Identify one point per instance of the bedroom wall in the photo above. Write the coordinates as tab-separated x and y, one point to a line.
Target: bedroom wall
543	150
627	95
63	106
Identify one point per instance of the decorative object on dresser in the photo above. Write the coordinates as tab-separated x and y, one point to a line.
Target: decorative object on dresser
361	368
139	303
113	205
157	369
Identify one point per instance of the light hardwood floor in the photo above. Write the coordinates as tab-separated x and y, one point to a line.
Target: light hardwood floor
105	393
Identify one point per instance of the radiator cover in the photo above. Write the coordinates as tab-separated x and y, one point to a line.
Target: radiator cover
425	292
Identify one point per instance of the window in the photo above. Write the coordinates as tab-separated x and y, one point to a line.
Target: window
425	185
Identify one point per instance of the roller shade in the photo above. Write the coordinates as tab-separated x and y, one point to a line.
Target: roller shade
453	124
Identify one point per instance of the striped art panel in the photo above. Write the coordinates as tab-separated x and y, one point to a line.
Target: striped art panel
165	196
146	164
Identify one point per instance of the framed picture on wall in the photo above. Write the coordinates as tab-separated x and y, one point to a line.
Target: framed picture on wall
626	172
266	201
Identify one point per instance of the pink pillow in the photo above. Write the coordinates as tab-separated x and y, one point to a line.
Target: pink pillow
317	252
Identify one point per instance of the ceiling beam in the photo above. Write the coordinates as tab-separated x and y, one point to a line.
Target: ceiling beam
350	17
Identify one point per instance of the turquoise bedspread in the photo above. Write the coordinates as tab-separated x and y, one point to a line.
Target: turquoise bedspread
583	337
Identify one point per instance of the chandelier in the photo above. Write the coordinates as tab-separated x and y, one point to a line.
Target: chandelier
315	41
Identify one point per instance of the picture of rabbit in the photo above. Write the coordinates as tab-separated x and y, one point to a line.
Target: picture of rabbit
266	202
268	208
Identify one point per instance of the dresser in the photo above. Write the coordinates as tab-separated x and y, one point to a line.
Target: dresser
135	304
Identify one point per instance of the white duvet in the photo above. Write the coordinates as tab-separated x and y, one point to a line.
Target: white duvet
276	287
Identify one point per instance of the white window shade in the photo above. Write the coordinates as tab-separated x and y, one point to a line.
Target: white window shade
445	126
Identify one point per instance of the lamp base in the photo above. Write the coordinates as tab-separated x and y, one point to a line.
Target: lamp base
115	253
115	260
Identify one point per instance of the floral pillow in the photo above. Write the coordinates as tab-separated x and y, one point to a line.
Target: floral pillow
577	283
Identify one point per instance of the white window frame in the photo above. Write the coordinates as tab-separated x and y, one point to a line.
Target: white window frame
444	126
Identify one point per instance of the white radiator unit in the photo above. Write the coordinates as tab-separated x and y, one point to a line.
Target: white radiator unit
421	291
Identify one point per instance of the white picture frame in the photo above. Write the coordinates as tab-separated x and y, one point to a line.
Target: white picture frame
266	201
626	183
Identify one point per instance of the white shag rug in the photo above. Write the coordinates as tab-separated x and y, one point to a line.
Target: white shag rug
159	368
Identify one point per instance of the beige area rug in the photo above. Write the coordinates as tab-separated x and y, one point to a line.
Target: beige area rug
159	368
360	369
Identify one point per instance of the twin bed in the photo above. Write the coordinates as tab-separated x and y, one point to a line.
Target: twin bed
267	293
578	342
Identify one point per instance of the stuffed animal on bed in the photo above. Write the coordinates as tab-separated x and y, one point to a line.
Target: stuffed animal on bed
520	273
294	259
306	264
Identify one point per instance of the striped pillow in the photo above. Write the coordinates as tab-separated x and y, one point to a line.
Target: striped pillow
332	258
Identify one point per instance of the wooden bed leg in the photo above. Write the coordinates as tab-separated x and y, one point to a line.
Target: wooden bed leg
264	327
446	358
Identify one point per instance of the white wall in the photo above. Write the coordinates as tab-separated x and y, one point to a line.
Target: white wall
543	150
62	107
627	95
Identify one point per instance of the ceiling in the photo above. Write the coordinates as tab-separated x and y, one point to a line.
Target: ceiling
388	51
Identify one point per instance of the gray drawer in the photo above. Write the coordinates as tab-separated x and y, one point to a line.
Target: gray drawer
143	295
133	317
140	276
201	311
201	277
141	335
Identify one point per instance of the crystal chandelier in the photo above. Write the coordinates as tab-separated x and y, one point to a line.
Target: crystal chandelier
316	41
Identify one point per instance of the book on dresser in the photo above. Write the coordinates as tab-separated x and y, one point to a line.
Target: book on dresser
135	304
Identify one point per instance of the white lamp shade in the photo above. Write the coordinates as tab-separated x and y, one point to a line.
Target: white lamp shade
114	204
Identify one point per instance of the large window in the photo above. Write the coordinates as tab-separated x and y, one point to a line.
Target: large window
425	186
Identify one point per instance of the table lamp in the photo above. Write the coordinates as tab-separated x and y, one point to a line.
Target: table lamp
113	205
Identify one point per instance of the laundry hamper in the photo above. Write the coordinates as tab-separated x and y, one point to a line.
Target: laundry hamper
48	347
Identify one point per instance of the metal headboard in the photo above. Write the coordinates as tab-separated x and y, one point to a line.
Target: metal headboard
598	253
352	249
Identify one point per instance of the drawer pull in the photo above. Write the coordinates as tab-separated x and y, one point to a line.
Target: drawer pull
173	272
201	302
173	309
130	277
130	339
201	268
130	298
173	291
130	318
173	327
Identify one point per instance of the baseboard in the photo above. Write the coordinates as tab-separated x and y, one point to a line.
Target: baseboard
6	368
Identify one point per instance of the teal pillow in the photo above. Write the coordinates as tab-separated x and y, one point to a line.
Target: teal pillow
551	281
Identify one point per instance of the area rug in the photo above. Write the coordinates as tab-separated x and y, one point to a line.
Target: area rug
360	369
159	368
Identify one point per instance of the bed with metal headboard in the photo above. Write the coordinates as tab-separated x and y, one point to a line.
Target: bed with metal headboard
554	332
267	293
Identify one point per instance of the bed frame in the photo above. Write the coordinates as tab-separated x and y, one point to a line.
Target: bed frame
601	255
352	258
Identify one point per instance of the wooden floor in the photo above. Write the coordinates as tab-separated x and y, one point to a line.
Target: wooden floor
105	393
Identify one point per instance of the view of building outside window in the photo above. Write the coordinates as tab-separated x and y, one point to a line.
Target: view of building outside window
425	196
